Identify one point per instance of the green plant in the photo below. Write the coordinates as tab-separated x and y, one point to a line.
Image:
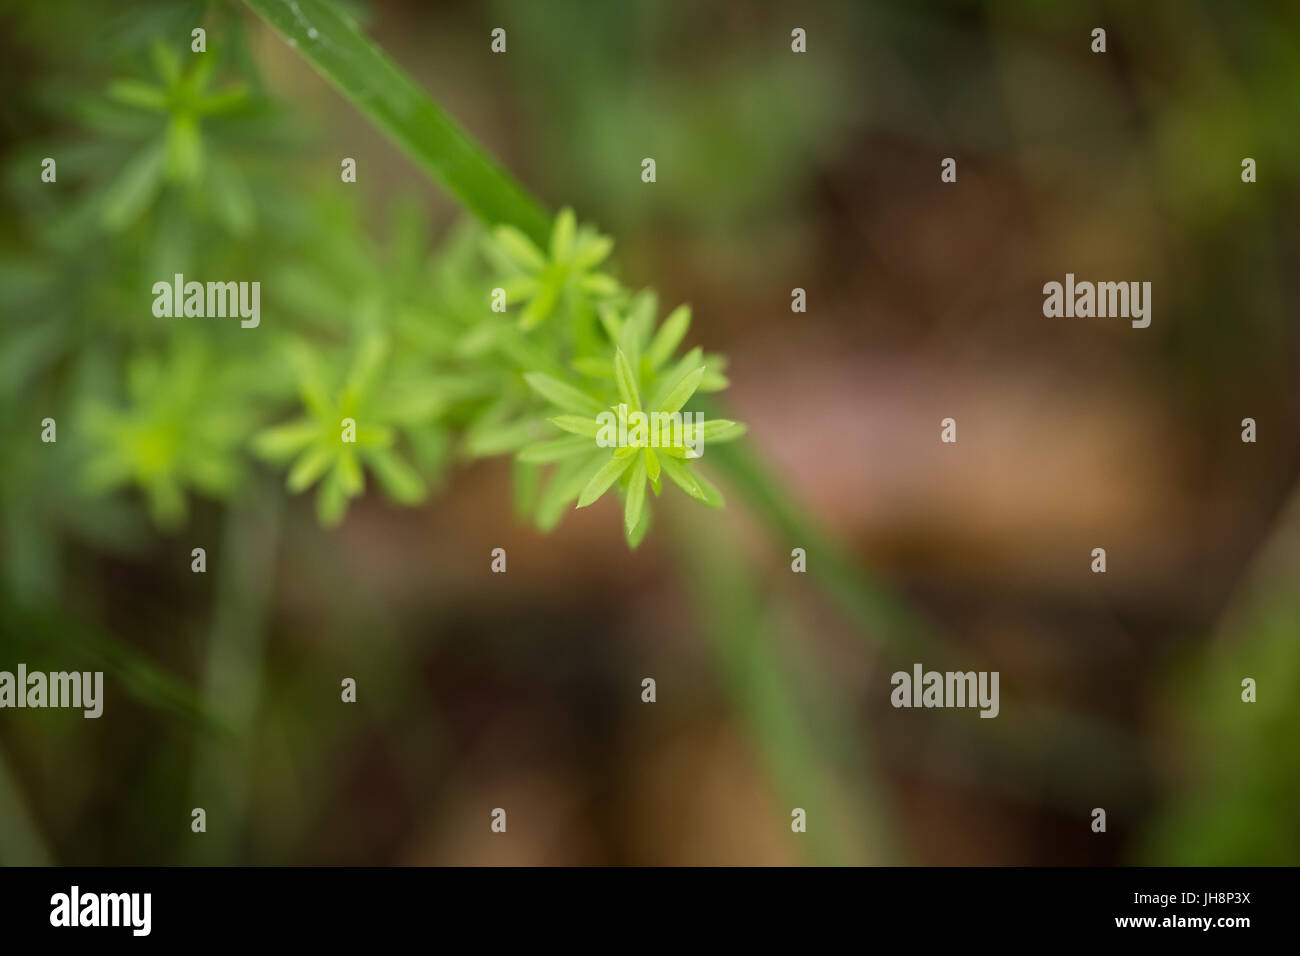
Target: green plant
178	157
385	326
175	434
642	459
400	336
600	348
562	274
566	358
459	381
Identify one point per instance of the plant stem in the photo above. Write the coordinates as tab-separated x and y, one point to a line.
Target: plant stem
20	840
25	630
233	675
385	93
880	613
815	756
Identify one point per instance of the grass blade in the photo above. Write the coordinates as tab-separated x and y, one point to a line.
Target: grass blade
385	93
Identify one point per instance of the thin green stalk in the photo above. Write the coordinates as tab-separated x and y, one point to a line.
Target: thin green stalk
20	839
880	613
31	632
815	757
233	674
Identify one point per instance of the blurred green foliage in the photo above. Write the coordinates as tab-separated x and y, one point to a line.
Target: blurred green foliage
166	168
1237	784
413	352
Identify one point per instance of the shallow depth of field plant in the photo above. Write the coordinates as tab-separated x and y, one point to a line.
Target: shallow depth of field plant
394	353
378	365
429	358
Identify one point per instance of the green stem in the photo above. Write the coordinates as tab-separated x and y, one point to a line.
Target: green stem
880	613
815	756
382	91
233	675
26	630
20	840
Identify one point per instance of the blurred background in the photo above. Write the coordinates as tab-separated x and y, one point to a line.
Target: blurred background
775	170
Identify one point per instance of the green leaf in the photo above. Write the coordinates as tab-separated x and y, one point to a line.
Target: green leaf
184	149
555	450
592	251
282	442
712	496
520	287
612	323
200	74
366	366
310	467
636	326
669	336
349	472
602	479
370	436
563	395
714	381
683	477
641	313
577	424
600	284
331	501
165	61
542	304
715	430
626	379
639	532
681	393
562	235
519	248
667	379
133	190
652	468
398	479
635	503
140	95
225	102
567	480
231	198
386	94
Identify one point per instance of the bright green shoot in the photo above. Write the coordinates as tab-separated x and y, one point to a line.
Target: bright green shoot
634	407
